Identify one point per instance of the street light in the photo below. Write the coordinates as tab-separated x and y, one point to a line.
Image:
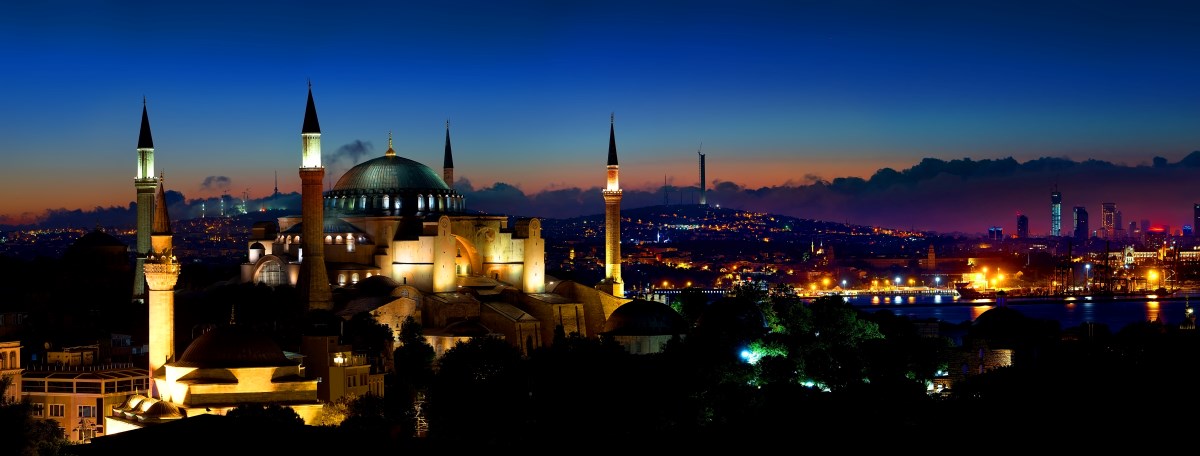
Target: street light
937	282
1087	276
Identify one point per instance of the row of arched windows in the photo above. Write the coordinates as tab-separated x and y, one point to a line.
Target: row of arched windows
425	203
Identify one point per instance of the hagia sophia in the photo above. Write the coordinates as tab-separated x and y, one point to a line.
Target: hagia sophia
399	226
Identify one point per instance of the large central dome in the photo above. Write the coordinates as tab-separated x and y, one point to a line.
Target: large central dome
388	173
392	185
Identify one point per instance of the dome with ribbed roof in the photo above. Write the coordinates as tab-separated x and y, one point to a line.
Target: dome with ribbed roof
390	172
392	185
233	346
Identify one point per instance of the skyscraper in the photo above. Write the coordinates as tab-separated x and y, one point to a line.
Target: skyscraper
1022	226
1055	213
1081	223
1108	220
703	186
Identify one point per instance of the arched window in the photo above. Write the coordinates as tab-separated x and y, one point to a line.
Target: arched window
349	242
328	239
338	239
362	202
272	274
420	202
387	202
354	277
341	280
396	202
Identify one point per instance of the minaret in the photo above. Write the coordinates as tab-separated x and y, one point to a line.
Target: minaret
703	186
145	184
612	220
162	271
448	162
313	282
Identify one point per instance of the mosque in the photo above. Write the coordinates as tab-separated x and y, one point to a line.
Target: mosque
393	225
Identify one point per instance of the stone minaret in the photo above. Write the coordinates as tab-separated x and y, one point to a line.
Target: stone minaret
145	183
313	282
612	221
162	271
448	162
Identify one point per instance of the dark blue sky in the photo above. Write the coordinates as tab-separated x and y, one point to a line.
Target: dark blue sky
778	93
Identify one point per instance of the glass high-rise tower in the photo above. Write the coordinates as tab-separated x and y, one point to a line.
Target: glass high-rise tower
1055	213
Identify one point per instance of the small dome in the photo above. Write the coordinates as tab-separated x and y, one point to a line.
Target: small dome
233	346
640	317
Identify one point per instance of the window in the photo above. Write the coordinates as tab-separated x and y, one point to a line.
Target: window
58	410
37	409
87	411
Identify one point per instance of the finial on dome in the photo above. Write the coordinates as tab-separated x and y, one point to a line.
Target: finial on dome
612	117
390	152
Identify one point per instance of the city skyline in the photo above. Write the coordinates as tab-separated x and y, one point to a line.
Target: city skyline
784	99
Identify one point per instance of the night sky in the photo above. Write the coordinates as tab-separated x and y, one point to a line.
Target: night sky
999	103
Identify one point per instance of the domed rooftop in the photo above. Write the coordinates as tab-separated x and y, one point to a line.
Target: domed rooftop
97	239
640	317
233	346
390	172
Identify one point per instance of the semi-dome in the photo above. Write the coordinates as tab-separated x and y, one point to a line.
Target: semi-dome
390	172
641	317
233	346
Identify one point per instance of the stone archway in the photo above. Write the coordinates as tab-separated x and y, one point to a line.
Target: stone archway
471	254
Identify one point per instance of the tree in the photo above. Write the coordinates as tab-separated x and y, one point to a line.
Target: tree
22	434
480	393
252	414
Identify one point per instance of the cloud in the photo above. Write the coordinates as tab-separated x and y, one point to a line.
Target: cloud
345	157
947	196
961	195
215	183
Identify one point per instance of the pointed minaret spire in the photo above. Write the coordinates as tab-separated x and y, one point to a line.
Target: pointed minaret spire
612	141
390	152
311	125
162	222
145	140
448	161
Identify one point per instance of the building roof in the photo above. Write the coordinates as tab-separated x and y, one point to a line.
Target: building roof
97	238
641	317
391	173
233	346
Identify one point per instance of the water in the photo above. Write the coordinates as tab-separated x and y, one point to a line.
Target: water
1116	313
